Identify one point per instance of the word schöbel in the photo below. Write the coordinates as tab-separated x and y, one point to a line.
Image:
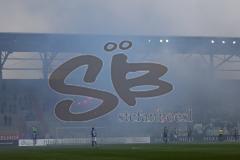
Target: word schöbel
119	69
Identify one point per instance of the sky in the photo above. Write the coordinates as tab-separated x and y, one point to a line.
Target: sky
122	17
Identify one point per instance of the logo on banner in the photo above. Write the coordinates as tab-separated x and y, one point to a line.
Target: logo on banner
120	67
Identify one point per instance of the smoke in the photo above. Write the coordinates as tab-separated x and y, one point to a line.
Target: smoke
135	17
194	85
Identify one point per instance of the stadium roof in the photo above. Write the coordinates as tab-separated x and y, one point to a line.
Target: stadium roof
46	42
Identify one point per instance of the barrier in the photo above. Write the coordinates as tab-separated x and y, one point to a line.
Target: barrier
9	139
82	141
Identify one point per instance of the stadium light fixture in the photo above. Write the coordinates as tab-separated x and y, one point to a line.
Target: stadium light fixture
223	42
212	41
161	41
167	40
149	41
234	42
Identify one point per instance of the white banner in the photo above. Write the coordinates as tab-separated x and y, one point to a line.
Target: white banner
80	141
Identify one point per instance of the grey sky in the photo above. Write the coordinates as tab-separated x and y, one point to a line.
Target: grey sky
143	17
